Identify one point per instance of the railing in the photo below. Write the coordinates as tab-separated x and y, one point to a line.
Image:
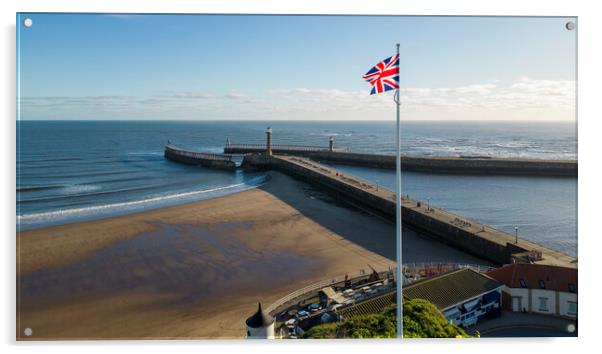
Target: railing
284	147
298	293
312	287
417	271
410	269
359	182
198	155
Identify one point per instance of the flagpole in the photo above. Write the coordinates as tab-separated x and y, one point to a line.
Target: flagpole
398	226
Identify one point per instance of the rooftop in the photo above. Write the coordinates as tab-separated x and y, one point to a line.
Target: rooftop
451	288
537	276
259	319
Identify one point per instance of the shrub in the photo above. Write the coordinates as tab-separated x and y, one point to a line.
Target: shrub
421	319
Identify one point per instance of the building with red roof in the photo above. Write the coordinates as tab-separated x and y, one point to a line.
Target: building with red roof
538	288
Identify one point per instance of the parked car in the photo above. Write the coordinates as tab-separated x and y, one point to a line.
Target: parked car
371	292
301	315
291	323
358	297
314	308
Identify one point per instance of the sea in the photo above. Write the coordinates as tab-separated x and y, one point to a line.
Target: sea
70	171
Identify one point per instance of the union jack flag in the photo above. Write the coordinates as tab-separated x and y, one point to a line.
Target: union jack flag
384	76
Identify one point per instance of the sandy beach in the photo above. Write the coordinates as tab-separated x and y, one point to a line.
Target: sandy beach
190	271
198	270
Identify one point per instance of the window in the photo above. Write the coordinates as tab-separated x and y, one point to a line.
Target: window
572	308
522	283
572	288
542	284
543	304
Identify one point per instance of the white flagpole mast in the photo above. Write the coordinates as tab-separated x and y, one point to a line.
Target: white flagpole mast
398	226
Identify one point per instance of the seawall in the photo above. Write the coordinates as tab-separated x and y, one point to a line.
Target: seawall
453	165
472	237
218	161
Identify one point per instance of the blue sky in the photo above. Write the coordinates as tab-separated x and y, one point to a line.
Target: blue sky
90	66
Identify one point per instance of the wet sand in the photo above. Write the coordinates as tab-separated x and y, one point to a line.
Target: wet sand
198	270
189	271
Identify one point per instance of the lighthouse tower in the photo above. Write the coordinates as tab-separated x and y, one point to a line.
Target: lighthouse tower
268	143
260	325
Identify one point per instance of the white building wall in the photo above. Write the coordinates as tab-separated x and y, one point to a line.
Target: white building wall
465	320
522	293
261	332
550	297
563	301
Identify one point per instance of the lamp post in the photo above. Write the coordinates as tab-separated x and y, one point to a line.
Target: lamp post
428	204
516	235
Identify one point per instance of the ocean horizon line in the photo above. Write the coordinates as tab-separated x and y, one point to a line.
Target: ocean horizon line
304	120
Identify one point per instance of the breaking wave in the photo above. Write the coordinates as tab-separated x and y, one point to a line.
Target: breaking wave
137	205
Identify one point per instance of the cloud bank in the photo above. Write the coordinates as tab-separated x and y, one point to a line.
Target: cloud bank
522	99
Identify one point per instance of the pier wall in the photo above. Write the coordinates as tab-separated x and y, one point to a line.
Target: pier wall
317	174
458	165
496	251
454	165
199	159
481	240
478	239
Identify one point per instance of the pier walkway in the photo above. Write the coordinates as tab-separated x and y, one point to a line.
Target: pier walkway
470	236
475	238
219	161
279	149
480	165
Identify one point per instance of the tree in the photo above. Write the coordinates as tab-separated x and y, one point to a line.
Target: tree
421	319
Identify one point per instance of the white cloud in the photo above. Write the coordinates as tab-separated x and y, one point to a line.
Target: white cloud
525	98
186	94
238	96
562	88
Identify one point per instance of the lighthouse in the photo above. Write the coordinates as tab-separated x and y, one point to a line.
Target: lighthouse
260	325
268	143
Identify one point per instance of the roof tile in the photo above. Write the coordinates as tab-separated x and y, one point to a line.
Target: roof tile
451	288
554	277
